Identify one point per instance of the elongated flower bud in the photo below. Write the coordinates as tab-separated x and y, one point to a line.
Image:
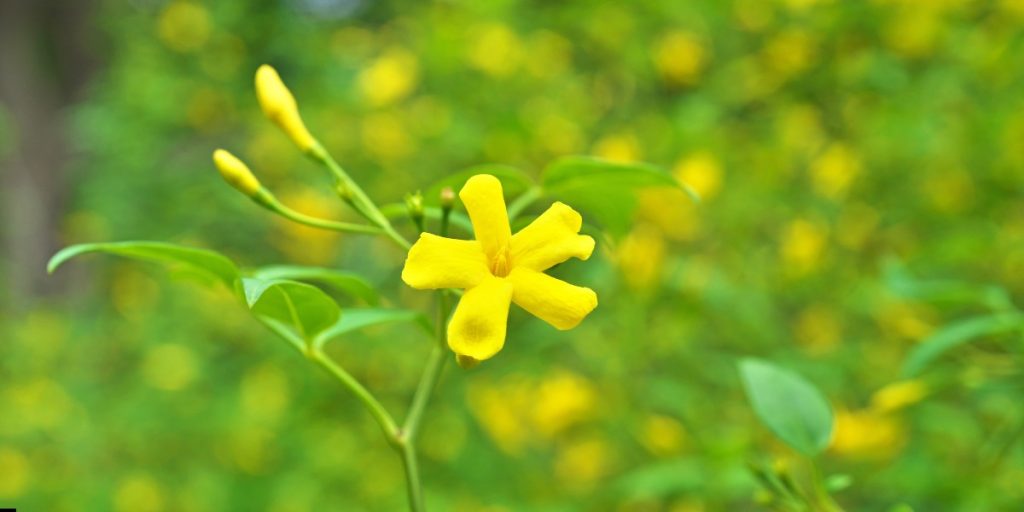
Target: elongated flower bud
279	106
236	173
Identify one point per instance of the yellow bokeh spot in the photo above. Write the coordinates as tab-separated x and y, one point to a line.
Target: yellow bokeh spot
133	293
184	26
561	400
912	31
898	395
701	172
304	244
622	148
389	78
867	435
909	321
495	49
753	15
499	409
641	257
801	130
583	462
550	54
15	473
557	134
834	170
41	403
680	57
790	52
950	191
264	393
662	435
856	224
385	136
138	493
803	246
170	367
818	329
207	109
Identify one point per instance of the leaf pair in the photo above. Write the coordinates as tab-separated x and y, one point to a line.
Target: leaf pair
299	312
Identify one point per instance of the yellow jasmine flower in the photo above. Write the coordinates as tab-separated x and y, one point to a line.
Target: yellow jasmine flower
499	268
279	106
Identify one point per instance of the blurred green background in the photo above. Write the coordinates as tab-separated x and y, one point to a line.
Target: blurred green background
827	138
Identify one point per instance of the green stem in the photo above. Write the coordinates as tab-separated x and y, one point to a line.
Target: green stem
272	204
411	428
412	478
532	194
381	415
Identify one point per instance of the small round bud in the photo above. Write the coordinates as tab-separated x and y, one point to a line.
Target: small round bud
447	198
236	173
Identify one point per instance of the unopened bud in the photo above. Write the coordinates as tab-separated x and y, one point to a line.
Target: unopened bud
279	106
414	203
447	198
236	173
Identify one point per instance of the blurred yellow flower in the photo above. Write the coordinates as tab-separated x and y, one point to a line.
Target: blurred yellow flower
662	435
641	257
498	268
550	54
264	393
581	463
950	191
304	244
898	395
701	172
867	434
561	400
499	410
790	52
279	106
834	170
170	366
622	148
184	26
818	329
495	49
389	78
384	135
679	57
17	474
138	493
803	245
236	173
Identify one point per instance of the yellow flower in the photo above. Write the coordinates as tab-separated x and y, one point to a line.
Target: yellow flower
279	106
236	173
898	395
499	268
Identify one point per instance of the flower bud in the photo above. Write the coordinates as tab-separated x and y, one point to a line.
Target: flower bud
447	198
279	106
236	173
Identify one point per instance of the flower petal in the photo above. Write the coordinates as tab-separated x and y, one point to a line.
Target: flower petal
551	239
555	301
485	203
438	262
477	329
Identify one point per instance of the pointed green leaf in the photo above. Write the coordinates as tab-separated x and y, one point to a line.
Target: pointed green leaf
605	189
302	309
788	405
346	282
355	319
202	261
957	334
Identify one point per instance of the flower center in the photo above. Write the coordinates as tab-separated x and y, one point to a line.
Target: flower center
501	263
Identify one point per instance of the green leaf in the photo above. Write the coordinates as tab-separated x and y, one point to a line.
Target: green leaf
905	285
958	334
355	319
300	309
513	181
346	282
202	261
607	190
788	405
